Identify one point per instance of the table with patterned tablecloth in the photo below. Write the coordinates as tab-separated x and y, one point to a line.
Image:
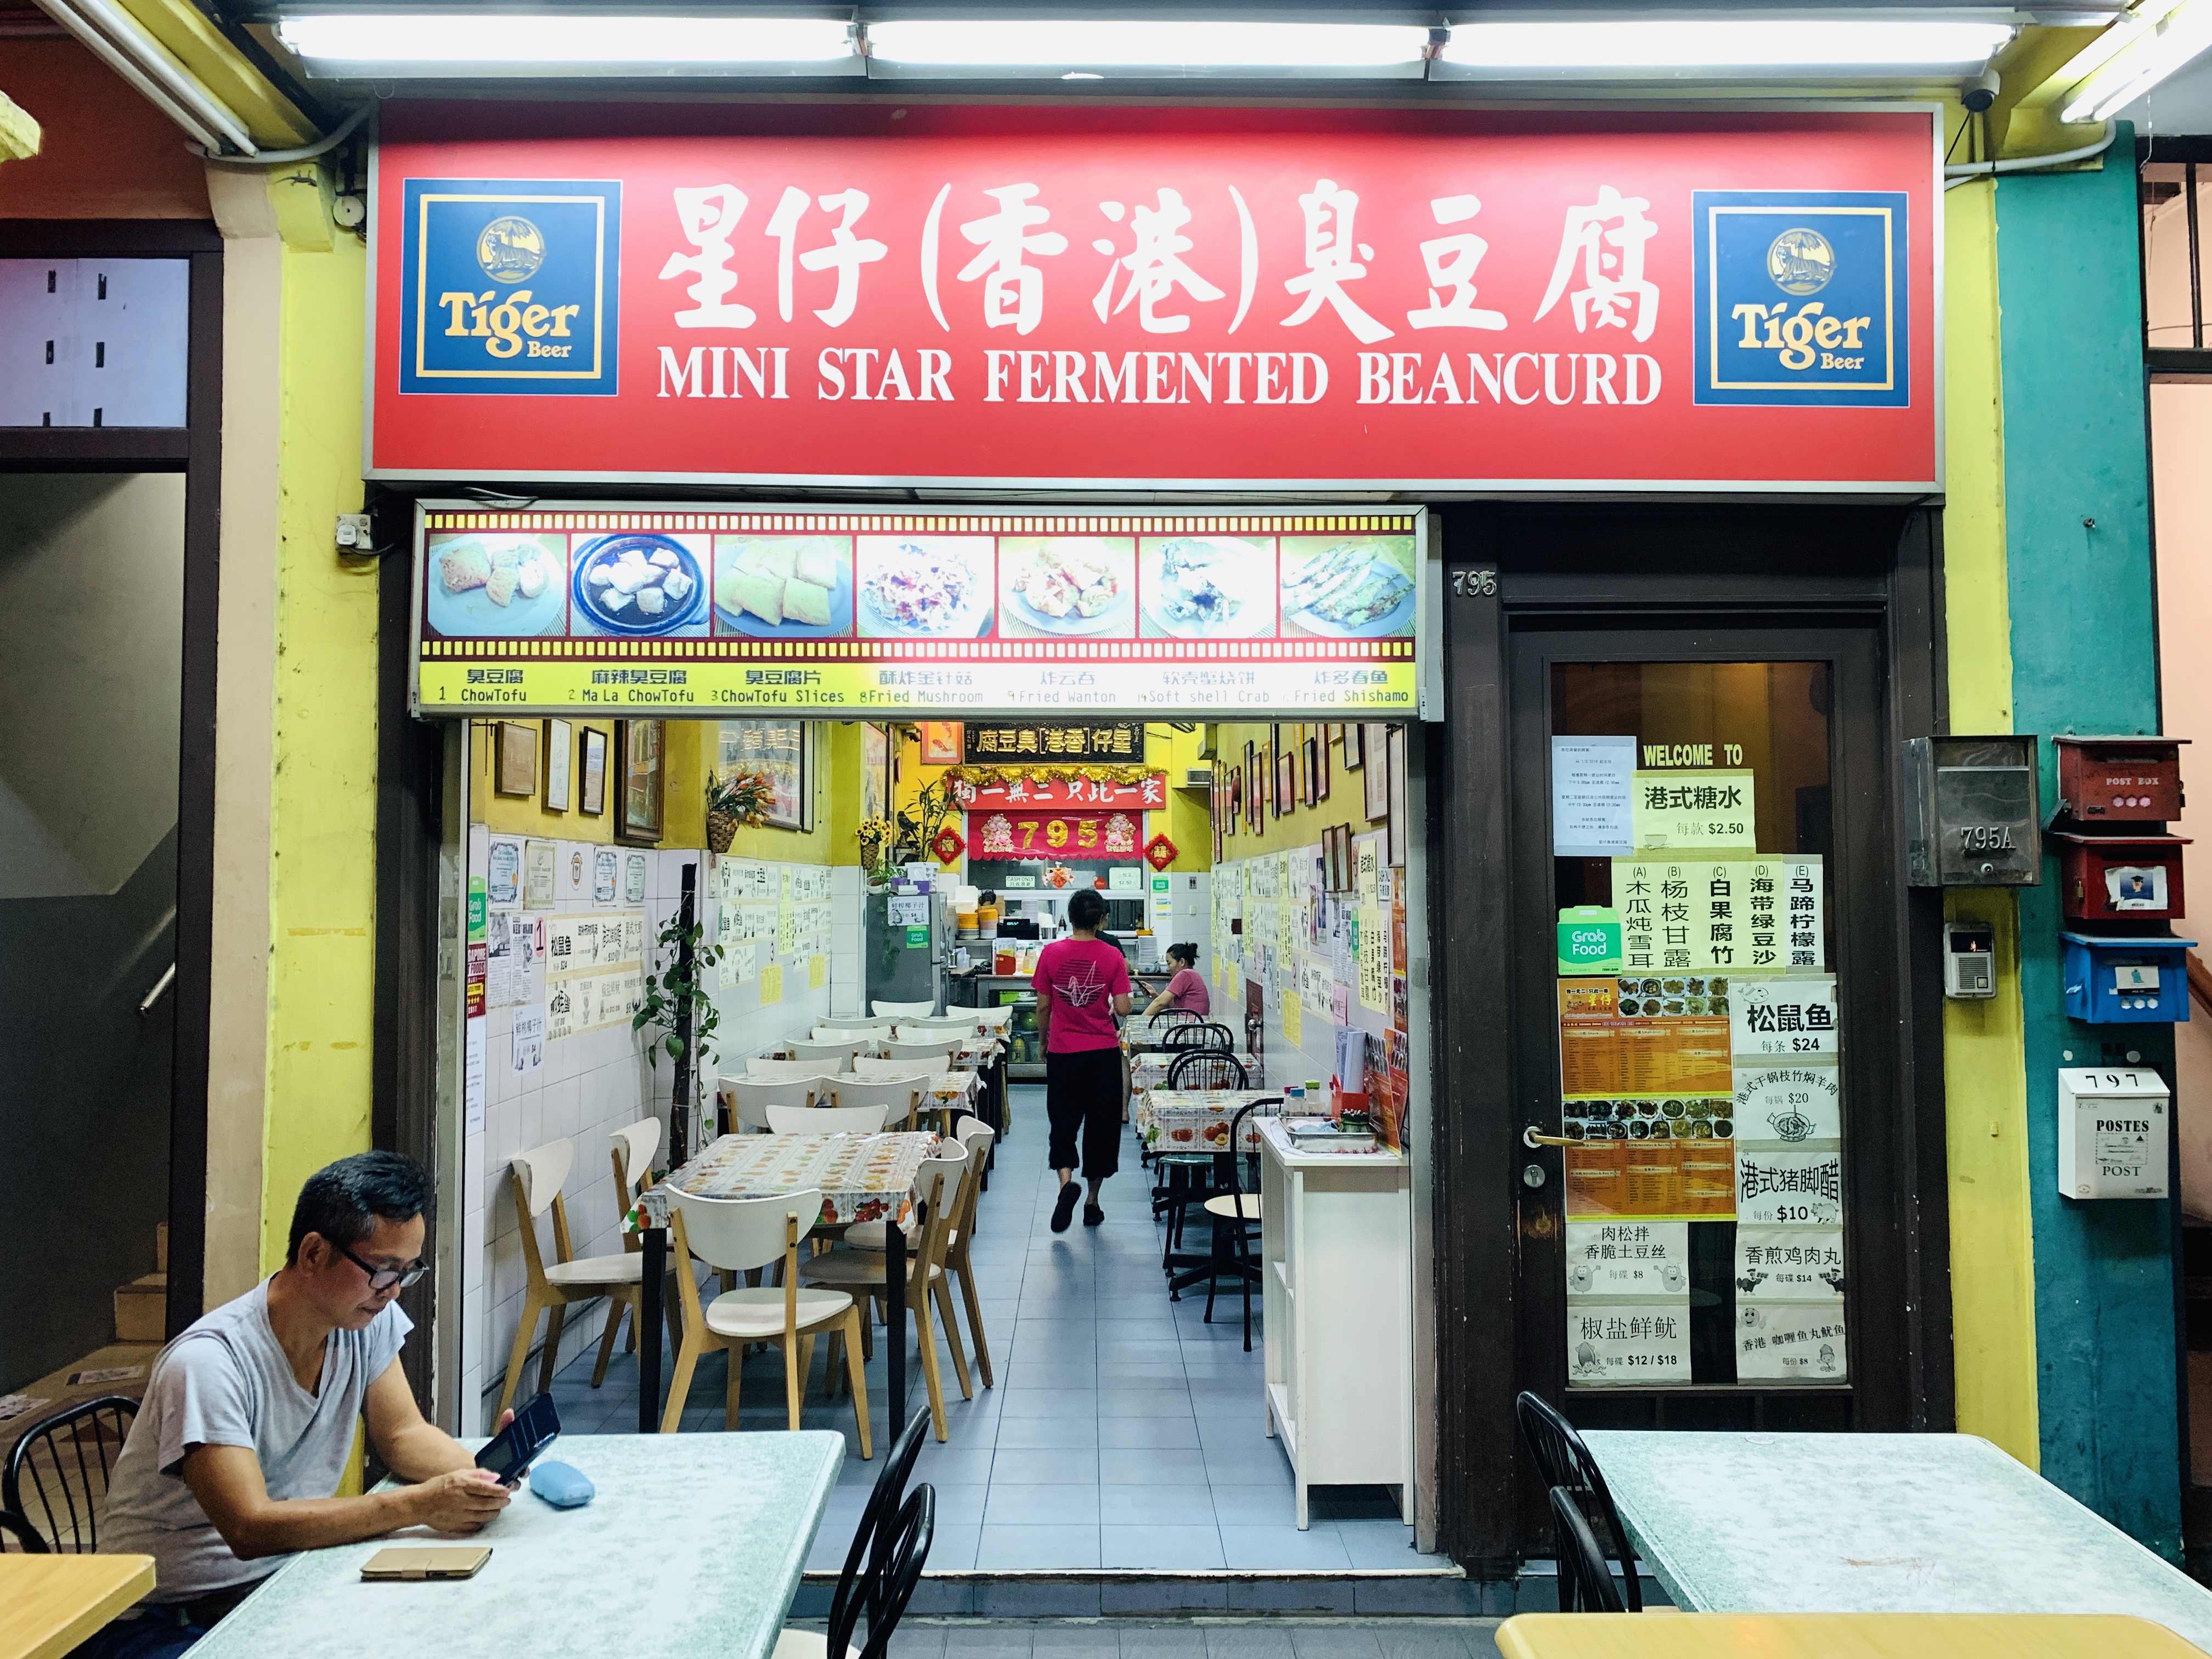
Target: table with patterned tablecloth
862	1177
1195	1121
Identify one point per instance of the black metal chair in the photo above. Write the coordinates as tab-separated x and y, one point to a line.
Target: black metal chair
1585	1580
1236	1216
58	1473
892	1586
19	1537
1564	1460
1184	1179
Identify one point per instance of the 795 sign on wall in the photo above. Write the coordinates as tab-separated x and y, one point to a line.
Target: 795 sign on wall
792	293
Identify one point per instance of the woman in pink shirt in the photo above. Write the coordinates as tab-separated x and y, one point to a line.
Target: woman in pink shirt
1082	982
1186	988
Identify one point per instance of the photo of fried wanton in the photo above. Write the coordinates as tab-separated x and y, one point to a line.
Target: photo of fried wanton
793	586
1068	584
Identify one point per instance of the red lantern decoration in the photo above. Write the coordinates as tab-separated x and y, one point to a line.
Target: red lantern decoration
1159	852
948	845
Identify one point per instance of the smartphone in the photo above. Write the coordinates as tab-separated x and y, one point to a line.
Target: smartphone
413	1565
510	1453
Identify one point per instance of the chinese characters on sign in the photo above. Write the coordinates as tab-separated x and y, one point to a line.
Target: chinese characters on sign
990	741
1721	915
1049	837
1697	810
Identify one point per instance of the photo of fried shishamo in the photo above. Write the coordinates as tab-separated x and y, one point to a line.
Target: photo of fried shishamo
1347	587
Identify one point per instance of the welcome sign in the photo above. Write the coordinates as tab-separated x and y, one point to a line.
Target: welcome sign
880	296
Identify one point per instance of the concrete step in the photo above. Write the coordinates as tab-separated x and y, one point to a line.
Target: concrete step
142	1308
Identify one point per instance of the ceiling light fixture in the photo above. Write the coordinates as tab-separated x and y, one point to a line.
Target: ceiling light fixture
1038	43
1599	49
451	43
2132	56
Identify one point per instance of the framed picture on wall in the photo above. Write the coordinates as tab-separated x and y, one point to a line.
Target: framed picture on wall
1314	749
560	747
1353	749
592	793
1232	799
640	761
779	748
942	742
1286	782
1399	812
1375	741
1257	786
1216	804
514	759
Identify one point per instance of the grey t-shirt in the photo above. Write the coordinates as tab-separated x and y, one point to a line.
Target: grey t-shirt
225	1382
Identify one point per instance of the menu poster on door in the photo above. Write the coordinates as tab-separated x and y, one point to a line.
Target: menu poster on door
1650	1180
1611	1259
1782	1186
1700	811
1790	1341
1591	781
1788	1016
1789	1264
1617	1038
1788	1104
1626	1342
1716	915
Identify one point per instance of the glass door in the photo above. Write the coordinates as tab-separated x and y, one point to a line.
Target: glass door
1700	893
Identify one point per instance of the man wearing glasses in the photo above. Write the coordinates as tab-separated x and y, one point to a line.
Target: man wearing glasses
235	1457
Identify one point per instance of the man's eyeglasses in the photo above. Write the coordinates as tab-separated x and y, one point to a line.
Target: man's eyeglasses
383	1279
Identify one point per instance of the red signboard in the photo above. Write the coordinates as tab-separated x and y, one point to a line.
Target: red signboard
1083	837
790	293
1013	789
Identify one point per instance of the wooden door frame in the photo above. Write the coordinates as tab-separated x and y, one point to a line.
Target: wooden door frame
195	450
1663	566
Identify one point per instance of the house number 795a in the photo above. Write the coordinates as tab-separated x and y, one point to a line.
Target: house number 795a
1474	583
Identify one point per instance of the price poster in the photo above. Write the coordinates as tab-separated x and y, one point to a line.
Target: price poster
1610	1260
1788	1104
1777	1186
1791	1016
1701	810
1632	1342
1789	1264
1651	1179
1795	1341
1718	916
1636	1037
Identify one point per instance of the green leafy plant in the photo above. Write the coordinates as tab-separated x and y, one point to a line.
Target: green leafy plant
675	1004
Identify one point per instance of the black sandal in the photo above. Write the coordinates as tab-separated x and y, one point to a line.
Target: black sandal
1092	1215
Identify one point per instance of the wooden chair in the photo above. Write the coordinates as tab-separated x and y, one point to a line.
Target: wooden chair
1585	1581
975	1137
751	1098
634	1145
760	1069
538	1176
58	1472
901	1098
826	1120
735	1235
937	1183
909	1010
1564	1460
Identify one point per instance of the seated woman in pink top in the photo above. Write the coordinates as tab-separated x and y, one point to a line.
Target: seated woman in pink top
1187	988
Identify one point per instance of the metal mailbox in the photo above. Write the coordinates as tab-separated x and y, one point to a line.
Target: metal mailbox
2120	878
2125	979
1971	817
2120	779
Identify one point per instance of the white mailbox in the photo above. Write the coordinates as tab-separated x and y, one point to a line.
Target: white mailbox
2112	1132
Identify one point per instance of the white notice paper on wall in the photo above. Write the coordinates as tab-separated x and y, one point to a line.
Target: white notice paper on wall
1632	1342
503	879
1591	800
909	910
1789	1264
473	1078
529	1038
1789	1186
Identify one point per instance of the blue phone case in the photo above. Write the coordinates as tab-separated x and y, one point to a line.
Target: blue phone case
561	1486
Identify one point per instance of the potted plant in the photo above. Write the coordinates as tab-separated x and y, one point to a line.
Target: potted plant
877	837
738	801
676	1013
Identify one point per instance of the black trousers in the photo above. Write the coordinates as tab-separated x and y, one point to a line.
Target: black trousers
1083	1095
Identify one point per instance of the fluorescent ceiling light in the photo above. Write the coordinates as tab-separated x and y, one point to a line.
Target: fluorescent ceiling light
2132	56
1012	42
473	38
1673	43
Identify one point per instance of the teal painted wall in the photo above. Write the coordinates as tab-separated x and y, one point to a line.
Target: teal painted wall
2083	615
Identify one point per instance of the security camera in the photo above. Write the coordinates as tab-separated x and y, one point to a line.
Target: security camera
1981	92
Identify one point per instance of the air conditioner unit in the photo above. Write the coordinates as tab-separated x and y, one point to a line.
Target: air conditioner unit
1197	777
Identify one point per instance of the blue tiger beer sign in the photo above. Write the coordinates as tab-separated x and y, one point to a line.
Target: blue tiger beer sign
512	285
1804	299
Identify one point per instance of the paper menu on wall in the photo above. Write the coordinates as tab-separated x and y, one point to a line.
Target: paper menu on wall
528	1036
1694	809
1791	1016
1613	1259
1721	914
1632	1342
1800	1340
593	941
771	985
1374	959
1591	779
1293	1019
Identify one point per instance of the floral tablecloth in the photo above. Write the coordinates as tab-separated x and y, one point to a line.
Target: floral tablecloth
862	1177
1195	1121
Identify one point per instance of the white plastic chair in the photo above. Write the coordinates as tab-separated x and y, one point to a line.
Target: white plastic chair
938	1182
893	1009
873	1031
830	1056
736	1234
761	1070
538	1176
828	1120
898	1098
751	1098
938	1056
999	1018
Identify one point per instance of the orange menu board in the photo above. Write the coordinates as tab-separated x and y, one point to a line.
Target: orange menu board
1651	1180
1606	1051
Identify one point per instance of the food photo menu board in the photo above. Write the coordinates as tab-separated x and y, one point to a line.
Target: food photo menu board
774	609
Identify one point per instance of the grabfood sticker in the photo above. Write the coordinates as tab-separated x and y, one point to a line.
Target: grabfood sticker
1789	1186
1789	1104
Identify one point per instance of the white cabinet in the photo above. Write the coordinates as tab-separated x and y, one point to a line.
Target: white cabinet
1337	1285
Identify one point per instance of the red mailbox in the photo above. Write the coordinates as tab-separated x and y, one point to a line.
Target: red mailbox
2108	878
2125	780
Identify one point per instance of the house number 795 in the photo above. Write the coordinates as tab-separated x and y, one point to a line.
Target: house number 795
1474	583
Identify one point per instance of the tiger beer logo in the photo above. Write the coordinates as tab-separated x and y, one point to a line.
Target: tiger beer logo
511	286
1802	299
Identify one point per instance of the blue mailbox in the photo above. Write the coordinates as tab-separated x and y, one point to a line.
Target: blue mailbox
2114	980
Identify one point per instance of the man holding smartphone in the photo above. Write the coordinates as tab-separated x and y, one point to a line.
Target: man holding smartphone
236	1455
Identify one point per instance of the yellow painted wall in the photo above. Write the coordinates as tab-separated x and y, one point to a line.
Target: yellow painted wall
322	803
1992	1245
1303	824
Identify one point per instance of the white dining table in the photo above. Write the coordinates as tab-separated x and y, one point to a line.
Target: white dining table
692	1549
1760	1522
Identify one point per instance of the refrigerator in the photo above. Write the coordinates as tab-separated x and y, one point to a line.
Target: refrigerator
906	947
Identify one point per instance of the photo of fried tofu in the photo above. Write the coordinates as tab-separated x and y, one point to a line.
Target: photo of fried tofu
790	586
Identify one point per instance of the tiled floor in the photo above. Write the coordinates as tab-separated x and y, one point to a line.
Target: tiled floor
1123	1432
